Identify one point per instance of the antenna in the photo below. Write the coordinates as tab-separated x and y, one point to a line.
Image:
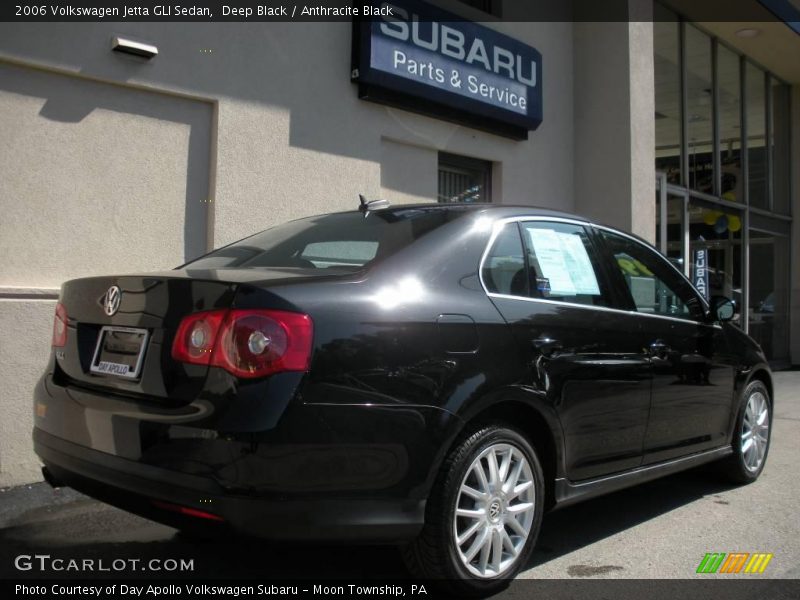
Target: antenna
367	206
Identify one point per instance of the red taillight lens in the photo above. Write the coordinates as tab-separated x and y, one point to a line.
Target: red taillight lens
187	510
246	343
197	333
60	327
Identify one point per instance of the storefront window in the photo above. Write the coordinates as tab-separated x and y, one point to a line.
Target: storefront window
755	103
464	179
769	293
700	110
666	42
779	146
730	125
673	248
715	109
715	250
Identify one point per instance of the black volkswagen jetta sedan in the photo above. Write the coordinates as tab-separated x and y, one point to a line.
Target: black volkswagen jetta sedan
434	376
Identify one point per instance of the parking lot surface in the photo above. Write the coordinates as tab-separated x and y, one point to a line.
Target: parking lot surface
660	529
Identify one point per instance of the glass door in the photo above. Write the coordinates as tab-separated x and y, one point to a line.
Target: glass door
671	205
715	251
769	294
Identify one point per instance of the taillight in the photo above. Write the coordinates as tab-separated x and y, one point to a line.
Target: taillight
197	333
187	510
246	343
60	327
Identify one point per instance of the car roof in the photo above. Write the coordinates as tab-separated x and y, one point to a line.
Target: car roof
503	211
496	210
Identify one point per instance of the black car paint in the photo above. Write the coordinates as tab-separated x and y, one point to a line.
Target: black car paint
351	449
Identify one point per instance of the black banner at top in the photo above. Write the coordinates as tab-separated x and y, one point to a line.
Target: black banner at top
345	10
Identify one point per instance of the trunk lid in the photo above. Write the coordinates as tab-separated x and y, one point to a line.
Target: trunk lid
153	305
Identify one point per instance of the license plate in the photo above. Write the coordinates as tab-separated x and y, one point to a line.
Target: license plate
119	352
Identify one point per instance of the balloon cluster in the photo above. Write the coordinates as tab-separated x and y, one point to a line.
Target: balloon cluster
721	221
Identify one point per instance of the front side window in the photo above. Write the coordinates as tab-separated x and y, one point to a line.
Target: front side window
655	287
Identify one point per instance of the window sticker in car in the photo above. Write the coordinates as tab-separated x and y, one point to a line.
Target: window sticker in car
563	260
579	264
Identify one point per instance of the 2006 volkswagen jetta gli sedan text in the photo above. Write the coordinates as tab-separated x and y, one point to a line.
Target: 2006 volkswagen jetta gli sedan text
434	376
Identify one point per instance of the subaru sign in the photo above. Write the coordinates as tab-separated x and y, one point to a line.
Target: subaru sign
700	275
422	58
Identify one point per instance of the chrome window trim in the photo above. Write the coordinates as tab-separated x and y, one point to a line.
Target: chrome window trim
497	227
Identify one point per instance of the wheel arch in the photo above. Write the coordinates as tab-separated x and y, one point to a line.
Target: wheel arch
763	374
523	410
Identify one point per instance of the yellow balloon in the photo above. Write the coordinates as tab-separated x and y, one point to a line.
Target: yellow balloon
710	217
734	223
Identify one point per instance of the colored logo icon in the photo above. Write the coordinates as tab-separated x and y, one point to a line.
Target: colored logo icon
734	562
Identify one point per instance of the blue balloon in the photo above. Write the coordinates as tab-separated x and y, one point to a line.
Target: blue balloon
721	226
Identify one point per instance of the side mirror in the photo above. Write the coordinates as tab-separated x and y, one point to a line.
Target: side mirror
721	309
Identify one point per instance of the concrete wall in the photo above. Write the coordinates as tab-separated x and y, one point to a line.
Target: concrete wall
113	164
614	126
25	329
794	284
90	171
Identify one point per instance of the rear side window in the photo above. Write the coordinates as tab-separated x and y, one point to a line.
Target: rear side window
504	267
551	261
339	241
561	263
655	287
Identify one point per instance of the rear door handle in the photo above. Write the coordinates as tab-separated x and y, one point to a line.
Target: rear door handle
547	346
659	348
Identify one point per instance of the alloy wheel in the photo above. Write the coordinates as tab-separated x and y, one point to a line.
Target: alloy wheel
755	431
494	510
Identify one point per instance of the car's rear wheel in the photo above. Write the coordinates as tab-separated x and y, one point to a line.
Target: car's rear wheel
484	513
751	437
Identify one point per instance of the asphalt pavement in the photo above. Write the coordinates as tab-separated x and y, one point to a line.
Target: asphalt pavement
657	530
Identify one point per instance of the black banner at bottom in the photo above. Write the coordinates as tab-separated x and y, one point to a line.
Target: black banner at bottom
551	589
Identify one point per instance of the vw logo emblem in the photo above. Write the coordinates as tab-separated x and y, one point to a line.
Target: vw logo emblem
111	300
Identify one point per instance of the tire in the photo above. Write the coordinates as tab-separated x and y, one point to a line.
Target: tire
747	461
436	555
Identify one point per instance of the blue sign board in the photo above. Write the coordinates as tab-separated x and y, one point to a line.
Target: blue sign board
428	60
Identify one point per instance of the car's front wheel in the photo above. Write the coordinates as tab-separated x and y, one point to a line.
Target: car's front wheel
484	513
751	437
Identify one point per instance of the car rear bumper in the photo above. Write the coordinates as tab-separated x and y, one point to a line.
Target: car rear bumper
315	477
158	494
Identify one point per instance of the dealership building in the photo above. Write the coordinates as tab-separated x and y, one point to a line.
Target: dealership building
133	146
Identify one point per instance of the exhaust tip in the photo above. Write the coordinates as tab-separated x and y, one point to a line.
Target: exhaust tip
50	478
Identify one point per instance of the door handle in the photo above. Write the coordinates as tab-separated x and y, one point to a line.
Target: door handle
659	348
547	346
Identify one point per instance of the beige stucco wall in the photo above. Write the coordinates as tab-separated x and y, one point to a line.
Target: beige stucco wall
794	284
614	127
95	178
25	330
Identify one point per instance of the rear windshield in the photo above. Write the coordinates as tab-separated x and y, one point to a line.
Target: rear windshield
341	241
